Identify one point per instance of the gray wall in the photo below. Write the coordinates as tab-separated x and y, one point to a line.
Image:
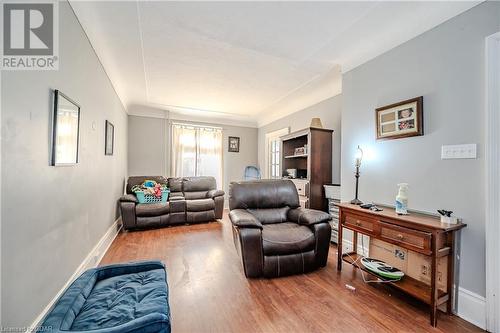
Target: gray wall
328	110
52	217
149	155
446	65
147	144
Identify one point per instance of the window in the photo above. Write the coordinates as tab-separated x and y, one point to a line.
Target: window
273	153
197	151
274	149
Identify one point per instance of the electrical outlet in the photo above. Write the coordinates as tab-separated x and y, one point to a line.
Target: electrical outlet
467	151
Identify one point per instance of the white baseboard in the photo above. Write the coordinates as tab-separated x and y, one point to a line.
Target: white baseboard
472	307
91	261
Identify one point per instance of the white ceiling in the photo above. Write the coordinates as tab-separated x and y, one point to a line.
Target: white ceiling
251	62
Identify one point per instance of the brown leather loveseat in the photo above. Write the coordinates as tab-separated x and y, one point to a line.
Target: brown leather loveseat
192	199
272	233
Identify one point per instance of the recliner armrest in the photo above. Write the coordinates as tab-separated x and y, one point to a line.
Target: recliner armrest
306	216
243	219
176	198
215	193
128	198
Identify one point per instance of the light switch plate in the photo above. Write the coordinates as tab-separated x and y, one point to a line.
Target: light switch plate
459	151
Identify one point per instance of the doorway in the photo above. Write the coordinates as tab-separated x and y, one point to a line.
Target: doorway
492	183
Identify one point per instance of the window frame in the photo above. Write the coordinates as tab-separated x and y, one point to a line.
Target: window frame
197	127
273	168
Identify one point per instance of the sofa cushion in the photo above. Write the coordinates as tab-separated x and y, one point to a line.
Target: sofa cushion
156	209
286	238
175	184
196	195
270	215
204	216
200	205
121	299
196	184
265	193
176	196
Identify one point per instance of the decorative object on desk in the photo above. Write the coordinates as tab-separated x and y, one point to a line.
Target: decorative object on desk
359	157
371	206
402	199
382	269
400	120
291	173
234	144
65	130
300	151
109	138
446	216
316	123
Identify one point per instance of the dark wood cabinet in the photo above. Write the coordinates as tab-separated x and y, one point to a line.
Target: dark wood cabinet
310	152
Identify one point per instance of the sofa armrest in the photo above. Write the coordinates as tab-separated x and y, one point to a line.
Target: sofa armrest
215	193
176	198
128	198
127	209
243	219
306	216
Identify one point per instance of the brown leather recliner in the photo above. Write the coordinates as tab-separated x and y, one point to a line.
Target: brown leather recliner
198	201
272	233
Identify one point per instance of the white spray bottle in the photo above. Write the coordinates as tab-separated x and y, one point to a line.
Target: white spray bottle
402	199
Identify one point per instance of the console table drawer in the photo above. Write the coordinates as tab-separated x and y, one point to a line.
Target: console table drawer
360	223
412	239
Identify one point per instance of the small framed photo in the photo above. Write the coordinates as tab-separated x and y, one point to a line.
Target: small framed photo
400	120
234	144
110	138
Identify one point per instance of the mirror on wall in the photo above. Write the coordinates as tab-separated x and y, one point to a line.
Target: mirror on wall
65	130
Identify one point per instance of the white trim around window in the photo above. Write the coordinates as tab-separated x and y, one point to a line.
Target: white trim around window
273	169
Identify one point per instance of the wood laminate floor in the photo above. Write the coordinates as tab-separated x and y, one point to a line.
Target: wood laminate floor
209	292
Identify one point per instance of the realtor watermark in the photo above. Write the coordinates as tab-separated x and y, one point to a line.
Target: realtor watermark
30	35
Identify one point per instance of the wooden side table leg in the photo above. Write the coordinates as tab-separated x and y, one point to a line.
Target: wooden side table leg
451	273
434	287
355	242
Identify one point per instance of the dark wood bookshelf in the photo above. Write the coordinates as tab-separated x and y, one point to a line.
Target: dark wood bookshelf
317	161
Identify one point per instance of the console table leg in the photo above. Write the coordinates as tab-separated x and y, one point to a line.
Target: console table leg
434	287
355	242
451	273
339	244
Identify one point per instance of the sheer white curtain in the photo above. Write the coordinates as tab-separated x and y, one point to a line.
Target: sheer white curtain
197	151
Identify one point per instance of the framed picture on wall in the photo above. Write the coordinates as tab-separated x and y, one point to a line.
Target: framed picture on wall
65	131
234	144
400	120
109	138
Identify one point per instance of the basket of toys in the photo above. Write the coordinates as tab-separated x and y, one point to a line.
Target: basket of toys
151	192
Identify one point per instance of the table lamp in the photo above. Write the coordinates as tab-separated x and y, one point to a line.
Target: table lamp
359	157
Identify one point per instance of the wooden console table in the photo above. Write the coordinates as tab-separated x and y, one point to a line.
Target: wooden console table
422	233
